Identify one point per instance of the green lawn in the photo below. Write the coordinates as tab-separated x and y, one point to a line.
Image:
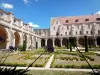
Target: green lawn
52	72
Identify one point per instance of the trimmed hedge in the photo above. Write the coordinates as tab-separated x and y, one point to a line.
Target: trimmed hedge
75	66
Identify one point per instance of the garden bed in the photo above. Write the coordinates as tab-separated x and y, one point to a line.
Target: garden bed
24	59
75	60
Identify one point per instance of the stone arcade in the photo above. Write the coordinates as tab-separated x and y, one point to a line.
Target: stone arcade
13	31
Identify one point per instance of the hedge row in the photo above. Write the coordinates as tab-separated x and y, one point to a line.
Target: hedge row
75	66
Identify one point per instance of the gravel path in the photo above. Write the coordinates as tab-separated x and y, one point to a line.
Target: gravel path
49	62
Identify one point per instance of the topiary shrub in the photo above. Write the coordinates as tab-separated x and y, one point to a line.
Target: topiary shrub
20	48
86	43
24	45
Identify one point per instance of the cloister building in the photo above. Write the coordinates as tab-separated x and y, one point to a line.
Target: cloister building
14	31
62	28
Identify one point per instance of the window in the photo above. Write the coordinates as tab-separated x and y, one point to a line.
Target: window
62	28
70	33
66	21
65	33
98	31
78	26
57	34
56	22
67	27
87	19
89	26
54	28
77	20
91	32
98	19
80	32
86	32
76	32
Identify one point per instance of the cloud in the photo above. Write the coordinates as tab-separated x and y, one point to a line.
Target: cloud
34	25
26	1
98	12
6	5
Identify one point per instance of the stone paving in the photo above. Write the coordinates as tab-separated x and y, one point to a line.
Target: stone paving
49	62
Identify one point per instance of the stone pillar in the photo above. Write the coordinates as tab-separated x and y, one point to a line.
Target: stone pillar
8	39
27	43
95	42
12	38
77	42
39	42
21	38
46	42
32	42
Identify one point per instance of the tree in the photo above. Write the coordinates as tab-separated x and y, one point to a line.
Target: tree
86	43
67	44
24	45
70	43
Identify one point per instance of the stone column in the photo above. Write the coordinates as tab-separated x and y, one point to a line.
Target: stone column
8	39
77	42
12	38
32	42
27	43
21	38
39	42
46	42
95	42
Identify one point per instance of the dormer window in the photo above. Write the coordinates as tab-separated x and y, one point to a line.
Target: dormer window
56	22
77	20
65	33
98	19
87	19
14	20
66	21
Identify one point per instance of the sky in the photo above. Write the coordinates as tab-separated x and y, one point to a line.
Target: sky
39	12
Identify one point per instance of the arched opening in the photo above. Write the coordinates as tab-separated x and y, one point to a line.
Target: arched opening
42	42
49	42
72	40
81	41
57	34
90	42
98	41
3	38
17	39
57	42
64	42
